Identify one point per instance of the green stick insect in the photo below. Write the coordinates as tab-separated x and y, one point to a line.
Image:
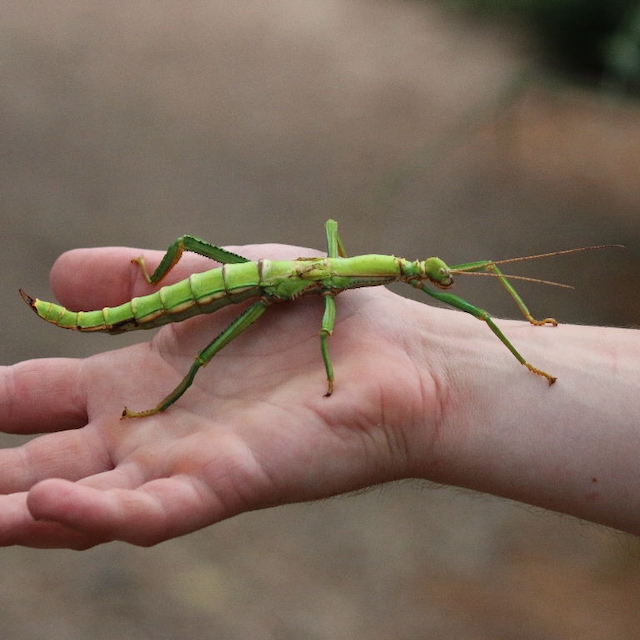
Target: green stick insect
271	281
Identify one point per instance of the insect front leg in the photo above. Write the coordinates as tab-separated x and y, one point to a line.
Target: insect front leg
186	243
240	324
489	266
481	314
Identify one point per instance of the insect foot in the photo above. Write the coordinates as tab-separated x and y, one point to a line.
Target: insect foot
551	379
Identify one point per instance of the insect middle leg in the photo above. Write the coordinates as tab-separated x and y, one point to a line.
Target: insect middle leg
186	243
481	314
240	324
489	266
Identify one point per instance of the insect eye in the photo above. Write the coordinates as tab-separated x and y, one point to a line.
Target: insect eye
446	279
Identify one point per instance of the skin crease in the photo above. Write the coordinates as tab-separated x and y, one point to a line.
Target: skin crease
420	392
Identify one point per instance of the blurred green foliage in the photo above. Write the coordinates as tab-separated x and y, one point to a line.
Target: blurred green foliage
594	41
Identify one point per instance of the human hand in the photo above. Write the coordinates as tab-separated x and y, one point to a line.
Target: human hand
253	431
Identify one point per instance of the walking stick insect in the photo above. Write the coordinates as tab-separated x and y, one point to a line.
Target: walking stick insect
272	281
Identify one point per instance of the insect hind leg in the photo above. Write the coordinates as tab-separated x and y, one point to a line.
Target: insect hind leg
238	326
174	252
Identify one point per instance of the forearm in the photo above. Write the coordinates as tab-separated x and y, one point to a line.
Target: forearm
573	447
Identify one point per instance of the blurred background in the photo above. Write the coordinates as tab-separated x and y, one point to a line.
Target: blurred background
462	129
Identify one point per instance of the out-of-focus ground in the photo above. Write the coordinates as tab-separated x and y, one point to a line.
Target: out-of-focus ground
133	123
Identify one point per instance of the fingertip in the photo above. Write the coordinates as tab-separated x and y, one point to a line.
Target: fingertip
69	263
93	278
85	509
88	511
70	506
50	498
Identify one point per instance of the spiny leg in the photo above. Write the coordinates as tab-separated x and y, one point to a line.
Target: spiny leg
481	314
328	323
186	243
242	322
489	266
335	246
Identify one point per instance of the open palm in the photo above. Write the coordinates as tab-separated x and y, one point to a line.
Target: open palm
254	429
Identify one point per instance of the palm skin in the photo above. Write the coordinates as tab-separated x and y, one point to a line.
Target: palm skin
254	430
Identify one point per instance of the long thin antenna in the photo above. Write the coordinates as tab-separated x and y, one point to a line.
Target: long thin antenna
556	253
505	275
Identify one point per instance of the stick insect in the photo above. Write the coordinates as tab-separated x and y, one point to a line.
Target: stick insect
271	281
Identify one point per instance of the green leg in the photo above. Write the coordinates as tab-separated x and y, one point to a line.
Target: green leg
483	315
489	266
186	243
242	322
335	246
328	322
335	249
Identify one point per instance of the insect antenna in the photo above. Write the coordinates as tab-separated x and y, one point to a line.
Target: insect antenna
556	253
511	277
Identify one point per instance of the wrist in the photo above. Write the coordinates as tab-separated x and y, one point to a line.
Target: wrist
572	446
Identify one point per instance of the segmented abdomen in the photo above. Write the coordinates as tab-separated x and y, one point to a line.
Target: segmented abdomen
199	293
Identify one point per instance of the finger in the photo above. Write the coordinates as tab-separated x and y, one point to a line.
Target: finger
17	526
69	454
95	278
156	511
41	395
